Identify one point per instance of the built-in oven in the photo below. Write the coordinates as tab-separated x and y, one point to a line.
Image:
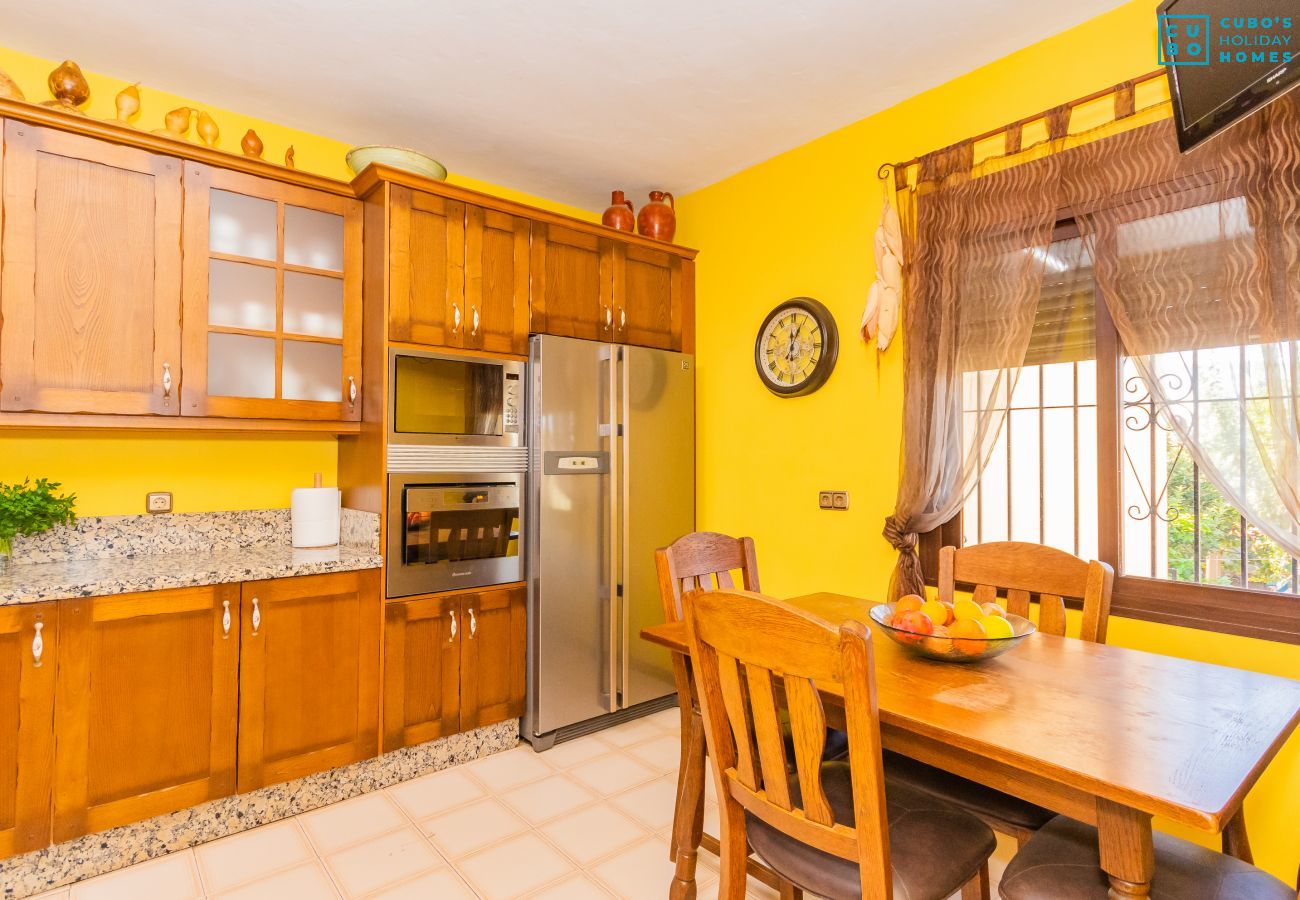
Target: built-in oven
454	400
448	531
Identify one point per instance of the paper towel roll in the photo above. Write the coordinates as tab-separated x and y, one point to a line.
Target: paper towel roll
315	517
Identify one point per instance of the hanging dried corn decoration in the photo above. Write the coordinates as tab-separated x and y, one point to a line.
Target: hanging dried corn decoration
880	318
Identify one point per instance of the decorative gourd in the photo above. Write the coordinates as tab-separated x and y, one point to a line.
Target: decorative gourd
9	89
128	103
288	158
177	123
252	144
69	87
207	129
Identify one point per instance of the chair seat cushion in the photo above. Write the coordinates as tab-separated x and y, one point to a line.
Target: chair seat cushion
1061	862
969	795
934	848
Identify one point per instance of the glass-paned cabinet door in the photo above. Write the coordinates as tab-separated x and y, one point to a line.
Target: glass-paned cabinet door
272	315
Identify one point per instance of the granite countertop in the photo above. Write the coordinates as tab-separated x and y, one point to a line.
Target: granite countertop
33	582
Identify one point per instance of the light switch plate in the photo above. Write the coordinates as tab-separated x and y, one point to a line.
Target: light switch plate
158	502
825	500
840	499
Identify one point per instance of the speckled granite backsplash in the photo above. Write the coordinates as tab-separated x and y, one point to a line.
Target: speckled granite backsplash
105	537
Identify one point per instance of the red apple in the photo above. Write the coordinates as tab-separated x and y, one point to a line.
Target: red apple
915	625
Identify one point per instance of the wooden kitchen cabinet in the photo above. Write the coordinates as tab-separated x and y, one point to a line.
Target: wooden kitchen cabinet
29	642
492	657
648	296
146	705
91	282
572	288
272	299
496	281
308	675
453	662
422	654
426	268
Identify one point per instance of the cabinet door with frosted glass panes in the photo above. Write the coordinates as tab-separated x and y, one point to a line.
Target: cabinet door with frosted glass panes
272	309
91	294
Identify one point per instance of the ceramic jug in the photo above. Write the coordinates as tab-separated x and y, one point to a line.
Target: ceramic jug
619	215
657	219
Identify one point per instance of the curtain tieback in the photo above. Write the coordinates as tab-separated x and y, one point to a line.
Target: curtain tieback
900	540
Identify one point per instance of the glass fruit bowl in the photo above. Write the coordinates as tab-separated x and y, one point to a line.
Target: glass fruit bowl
952	649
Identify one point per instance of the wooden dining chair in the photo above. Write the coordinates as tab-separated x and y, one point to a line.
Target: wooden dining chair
1023	574
703	560
832	828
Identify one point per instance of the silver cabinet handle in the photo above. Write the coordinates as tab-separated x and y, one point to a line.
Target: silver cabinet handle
38	646
622	318
473	623
167	380
609	317
474	310
455	318
257	616
225	619
352	390
453	627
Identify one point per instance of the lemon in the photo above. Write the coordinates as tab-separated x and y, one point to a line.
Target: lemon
997	627
967	609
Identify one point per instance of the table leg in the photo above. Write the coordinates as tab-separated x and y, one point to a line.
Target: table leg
1127	856
688	823
1236	843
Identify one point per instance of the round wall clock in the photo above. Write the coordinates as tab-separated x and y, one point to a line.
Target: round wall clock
796	347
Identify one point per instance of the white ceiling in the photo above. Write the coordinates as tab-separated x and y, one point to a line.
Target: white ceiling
563	98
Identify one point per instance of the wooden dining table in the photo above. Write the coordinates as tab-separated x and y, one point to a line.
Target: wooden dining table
1107	735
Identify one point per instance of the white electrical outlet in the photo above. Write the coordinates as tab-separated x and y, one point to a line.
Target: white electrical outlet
158	502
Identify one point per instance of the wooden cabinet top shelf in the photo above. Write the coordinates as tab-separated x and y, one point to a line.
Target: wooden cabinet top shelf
360	186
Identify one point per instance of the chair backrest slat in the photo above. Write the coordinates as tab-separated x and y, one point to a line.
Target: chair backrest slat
786	654
1022	571
699	561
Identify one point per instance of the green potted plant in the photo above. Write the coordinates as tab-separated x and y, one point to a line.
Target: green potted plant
29	508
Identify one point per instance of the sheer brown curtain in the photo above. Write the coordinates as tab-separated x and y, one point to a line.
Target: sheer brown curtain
1197	257
977	241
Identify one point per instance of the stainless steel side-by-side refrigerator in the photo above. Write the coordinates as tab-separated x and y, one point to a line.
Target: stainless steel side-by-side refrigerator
611	478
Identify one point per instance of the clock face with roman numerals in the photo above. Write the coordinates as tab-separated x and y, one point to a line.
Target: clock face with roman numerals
796	347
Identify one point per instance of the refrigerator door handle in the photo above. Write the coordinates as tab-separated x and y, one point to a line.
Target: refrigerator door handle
624	532
615	528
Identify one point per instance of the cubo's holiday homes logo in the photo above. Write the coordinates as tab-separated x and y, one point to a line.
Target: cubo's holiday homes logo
1199	40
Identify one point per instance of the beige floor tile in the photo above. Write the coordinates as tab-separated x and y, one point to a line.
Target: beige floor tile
578	750
171	877
468	828
514	867
578	887
339	825
663	753
308	881
430	794
382	861
544	800
612	773
652	804
442	884
241	858
667	719
630	733
502	771
642	871
591	833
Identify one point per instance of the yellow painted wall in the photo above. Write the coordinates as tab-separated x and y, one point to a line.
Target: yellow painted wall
801	224
111	472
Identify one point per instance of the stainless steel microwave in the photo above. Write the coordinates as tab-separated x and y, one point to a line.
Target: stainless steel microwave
449	399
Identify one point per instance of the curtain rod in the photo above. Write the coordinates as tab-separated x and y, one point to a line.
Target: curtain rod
886	168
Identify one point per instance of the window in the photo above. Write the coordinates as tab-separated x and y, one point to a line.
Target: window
1084	462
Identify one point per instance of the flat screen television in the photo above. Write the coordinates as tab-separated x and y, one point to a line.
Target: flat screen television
1232	57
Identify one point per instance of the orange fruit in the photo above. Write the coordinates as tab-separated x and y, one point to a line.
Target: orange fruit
997	627
939	642
908	603
966	609
992	609
968	637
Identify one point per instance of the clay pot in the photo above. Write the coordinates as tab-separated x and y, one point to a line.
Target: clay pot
620	214
657	219
69	87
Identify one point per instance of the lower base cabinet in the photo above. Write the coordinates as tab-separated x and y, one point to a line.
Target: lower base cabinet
308	675
452	662
28	663
146	706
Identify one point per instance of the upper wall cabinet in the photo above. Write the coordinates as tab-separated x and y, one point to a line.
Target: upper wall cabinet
572	291
91	281
272	299
648	293
458	274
